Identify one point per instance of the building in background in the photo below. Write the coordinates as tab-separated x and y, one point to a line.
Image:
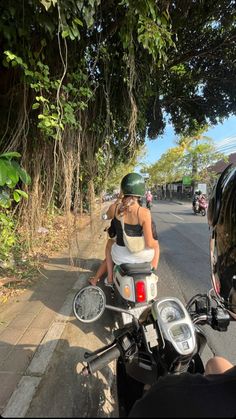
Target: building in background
221	164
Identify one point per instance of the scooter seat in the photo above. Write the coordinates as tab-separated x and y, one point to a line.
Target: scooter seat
136	268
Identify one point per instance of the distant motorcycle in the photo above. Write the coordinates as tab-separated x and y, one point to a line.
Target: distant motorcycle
200	206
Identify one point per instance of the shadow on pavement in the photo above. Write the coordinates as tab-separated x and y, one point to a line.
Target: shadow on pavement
64	392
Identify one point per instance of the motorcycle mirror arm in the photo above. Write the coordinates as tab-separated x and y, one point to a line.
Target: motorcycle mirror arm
121	310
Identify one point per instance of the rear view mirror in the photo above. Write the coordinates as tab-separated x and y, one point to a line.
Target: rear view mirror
89	304
225	284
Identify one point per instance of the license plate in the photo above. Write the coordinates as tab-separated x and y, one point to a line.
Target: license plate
137	311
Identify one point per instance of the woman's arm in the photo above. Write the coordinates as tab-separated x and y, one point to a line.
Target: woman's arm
146	223
156	258
111	210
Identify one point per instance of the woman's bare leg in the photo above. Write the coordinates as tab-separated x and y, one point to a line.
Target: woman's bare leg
109	261
217	365
105	267
101	271
155	260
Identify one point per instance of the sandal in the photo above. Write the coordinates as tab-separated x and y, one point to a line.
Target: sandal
108	284
93	281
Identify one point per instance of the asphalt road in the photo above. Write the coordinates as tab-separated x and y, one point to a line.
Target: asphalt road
184	268
183	271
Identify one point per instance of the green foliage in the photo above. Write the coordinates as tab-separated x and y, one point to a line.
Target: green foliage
168	168
7	234
155	36
161	51
53	115
120	169
199	154
48	3
11	173
192	157
76	74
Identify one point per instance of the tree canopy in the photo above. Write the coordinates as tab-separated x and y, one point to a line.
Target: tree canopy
192	157
84	82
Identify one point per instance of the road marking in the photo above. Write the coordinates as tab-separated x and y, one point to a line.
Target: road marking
176	216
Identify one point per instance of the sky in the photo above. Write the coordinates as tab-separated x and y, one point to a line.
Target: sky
220	132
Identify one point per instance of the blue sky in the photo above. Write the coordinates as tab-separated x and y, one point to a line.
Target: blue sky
156	148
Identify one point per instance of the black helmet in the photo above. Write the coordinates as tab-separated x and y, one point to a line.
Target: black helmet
133	184
221	216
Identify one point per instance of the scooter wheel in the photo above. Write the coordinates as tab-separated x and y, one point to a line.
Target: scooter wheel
203	212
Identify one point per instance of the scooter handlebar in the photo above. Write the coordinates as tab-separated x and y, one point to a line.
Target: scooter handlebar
102	360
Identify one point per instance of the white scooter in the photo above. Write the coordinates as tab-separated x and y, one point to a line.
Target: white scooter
134	288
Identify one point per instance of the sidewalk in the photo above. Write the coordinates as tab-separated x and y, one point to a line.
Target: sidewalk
37	318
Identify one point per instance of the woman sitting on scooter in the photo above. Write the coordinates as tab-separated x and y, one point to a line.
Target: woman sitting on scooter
137	221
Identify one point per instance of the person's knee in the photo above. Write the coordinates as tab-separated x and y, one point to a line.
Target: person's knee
217	365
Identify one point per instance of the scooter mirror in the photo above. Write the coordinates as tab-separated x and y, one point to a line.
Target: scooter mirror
89	304
224	288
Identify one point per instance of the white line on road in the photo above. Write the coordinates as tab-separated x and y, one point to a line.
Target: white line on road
176	216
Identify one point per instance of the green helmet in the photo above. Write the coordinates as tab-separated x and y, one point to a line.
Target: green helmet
133	184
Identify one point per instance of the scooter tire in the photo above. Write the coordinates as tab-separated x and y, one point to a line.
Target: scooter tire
203	212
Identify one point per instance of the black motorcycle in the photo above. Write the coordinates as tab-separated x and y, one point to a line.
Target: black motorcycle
165	339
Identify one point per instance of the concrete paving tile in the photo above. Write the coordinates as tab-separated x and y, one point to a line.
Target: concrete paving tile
3	325
43	319
4	351
8	383
34	306
17	361
32	336
10	310
10	335
22	321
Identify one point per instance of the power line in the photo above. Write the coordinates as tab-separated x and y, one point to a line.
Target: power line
227	146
